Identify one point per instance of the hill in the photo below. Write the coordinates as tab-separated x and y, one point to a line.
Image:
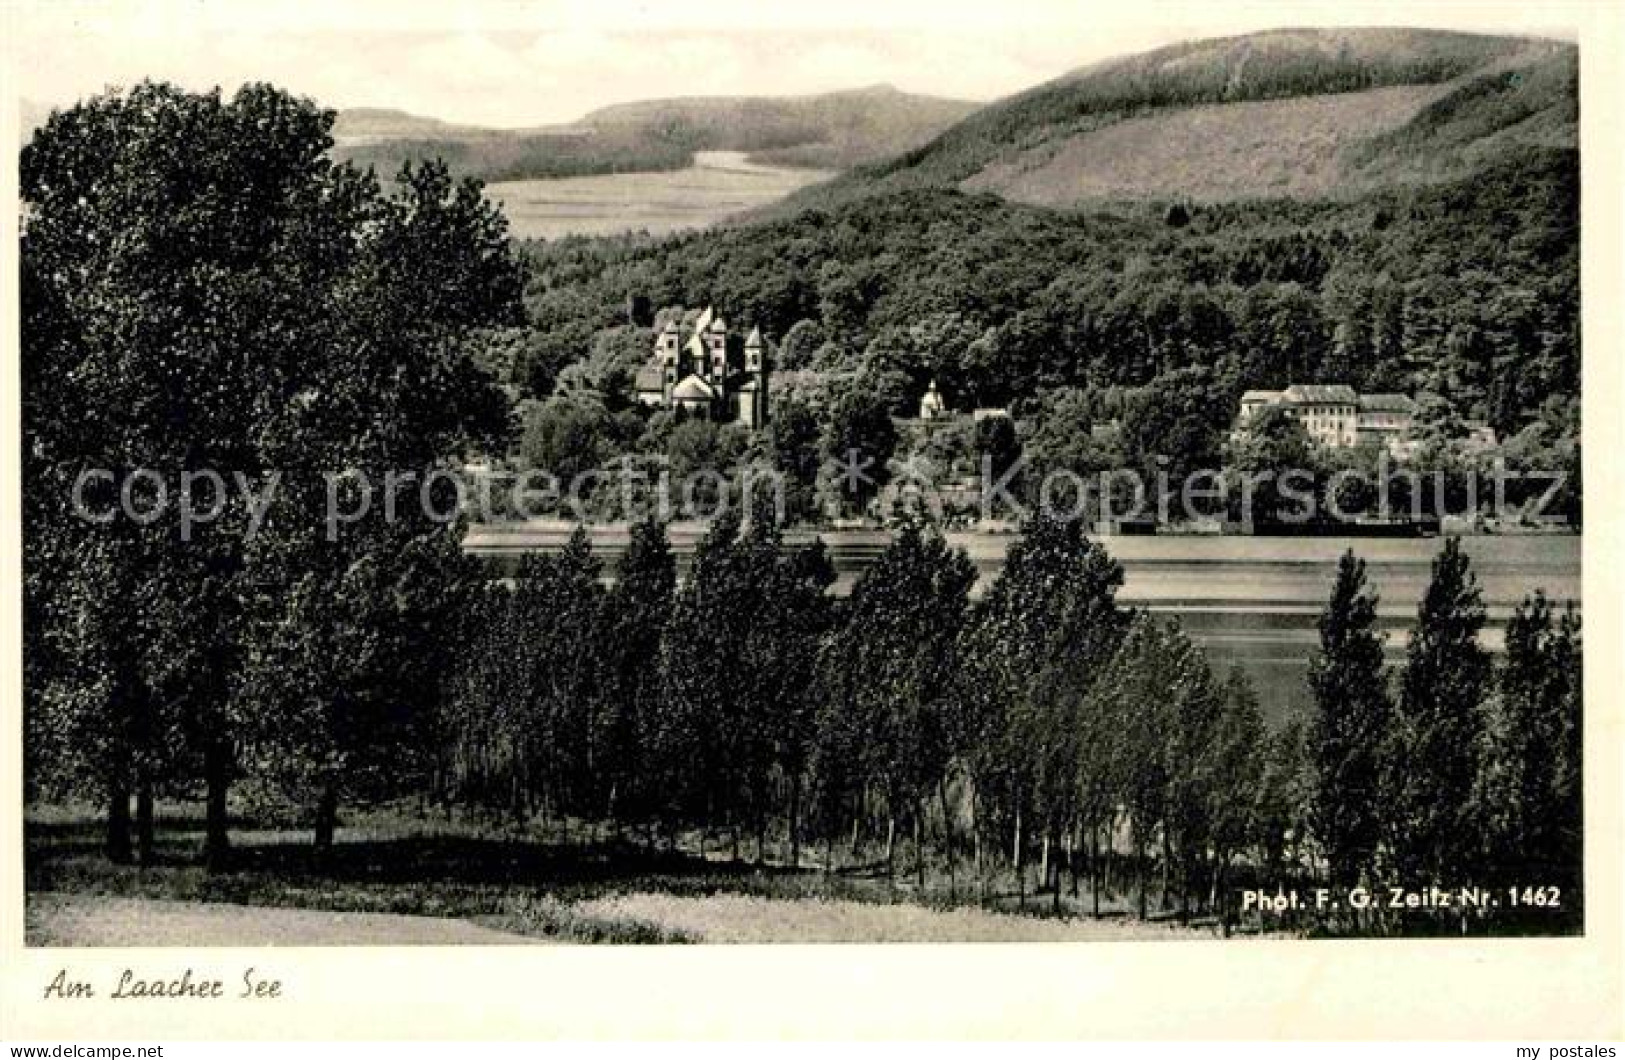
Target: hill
832	131
1302	113
1466	287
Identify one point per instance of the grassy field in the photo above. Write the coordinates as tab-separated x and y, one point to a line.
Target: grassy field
717	185
1214	152
404	878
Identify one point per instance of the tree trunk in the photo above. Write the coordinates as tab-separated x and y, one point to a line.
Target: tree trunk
948	839
327	817
146	839
976	843
795	822
118	826
1015	841
217	778
1097	878
1145	874
1071	859
1055	883
1016	850
919	849
891	846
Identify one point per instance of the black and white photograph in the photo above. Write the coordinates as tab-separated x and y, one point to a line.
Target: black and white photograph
551	481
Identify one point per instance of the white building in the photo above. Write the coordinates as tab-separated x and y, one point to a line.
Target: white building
1336	417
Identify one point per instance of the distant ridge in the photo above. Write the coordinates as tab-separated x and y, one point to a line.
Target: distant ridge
834	130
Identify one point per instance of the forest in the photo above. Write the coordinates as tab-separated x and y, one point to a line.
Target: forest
1467	290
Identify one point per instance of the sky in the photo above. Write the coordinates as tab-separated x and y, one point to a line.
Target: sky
517	63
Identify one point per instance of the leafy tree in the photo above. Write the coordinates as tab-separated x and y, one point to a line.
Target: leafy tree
1529	784
801	342
570	733
859	439
1239	762
890	668
1053	603
567	437
1134	690
1352	718
1283	798
737	663
210	292
1271	445
634	617
1175	428
1430	771
999	450
793	441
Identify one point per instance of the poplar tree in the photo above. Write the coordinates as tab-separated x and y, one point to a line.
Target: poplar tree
894	659
1431	763
1530	762
635	614
1351	720
1053	603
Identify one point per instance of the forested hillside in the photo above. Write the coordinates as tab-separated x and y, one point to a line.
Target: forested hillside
1300	112
1467	289
831	131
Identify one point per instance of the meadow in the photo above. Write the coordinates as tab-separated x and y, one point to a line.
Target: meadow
401	875
717	185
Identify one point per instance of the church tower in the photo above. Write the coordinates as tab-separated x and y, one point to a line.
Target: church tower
753	390
715	335
667	354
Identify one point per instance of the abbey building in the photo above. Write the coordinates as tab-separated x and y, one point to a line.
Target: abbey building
709	373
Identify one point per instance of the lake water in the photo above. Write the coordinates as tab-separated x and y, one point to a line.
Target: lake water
1252	602
717	185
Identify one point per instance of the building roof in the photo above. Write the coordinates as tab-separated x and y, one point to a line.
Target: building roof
754	338
1387	403
650	378
1321	394
693	388
1260	395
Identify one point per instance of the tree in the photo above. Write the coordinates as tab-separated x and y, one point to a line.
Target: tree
859	439
1270	447
1174	428
793	441
1529	783
567	437
1352	718
890	668
635	615
210	294
1430	768
999	450
1134	690
737	663
800	343
1239	763
1053	604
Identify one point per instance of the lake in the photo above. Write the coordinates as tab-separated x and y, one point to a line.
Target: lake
717	185
1251	602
